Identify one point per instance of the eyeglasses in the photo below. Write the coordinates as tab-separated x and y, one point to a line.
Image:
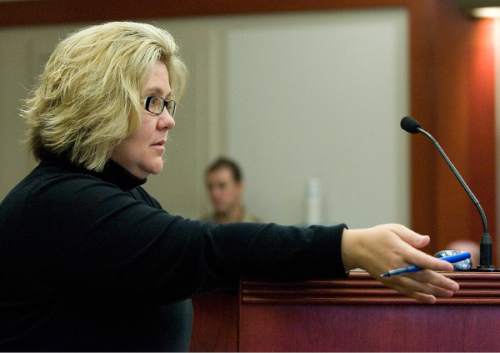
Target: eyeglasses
155	105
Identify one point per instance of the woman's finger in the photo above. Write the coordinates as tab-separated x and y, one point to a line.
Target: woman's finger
413	285
409	236
425	261
435	279
418	296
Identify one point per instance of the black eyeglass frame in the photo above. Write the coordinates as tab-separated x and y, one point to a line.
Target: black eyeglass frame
166	102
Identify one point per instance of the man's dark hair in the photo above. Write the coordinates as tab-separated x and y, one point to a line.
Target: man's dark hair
224	162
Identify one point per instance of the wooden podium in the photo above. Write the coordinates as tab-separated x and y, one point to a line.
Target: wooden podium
354	314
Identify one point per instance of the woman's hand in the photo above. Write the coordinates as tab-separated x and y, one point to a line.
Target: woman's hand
389	246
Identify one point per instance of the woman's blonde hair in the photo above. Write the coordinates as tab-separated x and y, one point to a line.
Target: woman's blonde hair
88	98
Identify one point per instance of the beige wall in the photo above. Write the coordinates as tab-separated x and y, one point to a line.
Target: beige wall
22	52
320	96
206	115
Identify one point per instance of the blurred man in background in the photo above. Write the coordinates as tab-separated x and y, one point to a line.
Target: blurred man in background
224	181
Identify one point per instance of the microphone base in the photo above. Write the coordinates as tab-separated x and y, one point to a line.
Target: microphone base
480	269
486	269
477	269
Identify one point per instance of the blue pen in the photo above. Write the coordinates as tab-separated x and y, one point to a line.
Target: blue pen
414	268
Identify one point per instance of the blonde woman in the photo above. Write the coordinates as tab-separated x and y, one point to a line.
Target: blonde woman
90	261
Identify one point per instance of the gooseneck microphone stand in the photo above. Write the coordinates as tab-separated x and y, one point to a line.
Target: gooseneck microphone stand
485	262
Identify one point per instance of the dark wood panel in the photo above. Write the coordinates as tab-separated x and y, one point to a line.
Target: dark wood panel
363	328
335	315
456	60
476	288
481	124
423	17
452	95
62	11
215	322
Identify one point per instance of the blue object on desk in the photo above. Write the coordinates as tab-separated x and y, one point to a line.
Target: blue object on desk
413	268
464	265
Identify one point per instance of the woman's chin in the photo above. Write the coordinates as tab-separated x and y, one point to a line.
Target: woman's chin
156	167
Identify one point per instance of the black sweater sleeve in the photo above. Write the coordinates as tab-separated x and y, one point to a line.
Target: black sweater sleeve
95	238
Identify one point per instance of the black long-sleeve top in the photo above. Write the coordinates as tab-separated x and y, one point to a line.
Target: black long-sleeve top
91	262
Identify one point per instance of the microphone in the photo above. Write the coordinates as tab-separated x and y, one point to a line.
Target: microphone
485	263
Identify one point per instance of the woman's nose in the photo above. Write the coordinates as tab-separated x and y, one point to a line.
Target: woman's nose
166	121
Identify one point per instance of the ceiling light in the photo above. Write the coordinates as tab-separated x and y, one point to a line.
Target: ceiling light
486	12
